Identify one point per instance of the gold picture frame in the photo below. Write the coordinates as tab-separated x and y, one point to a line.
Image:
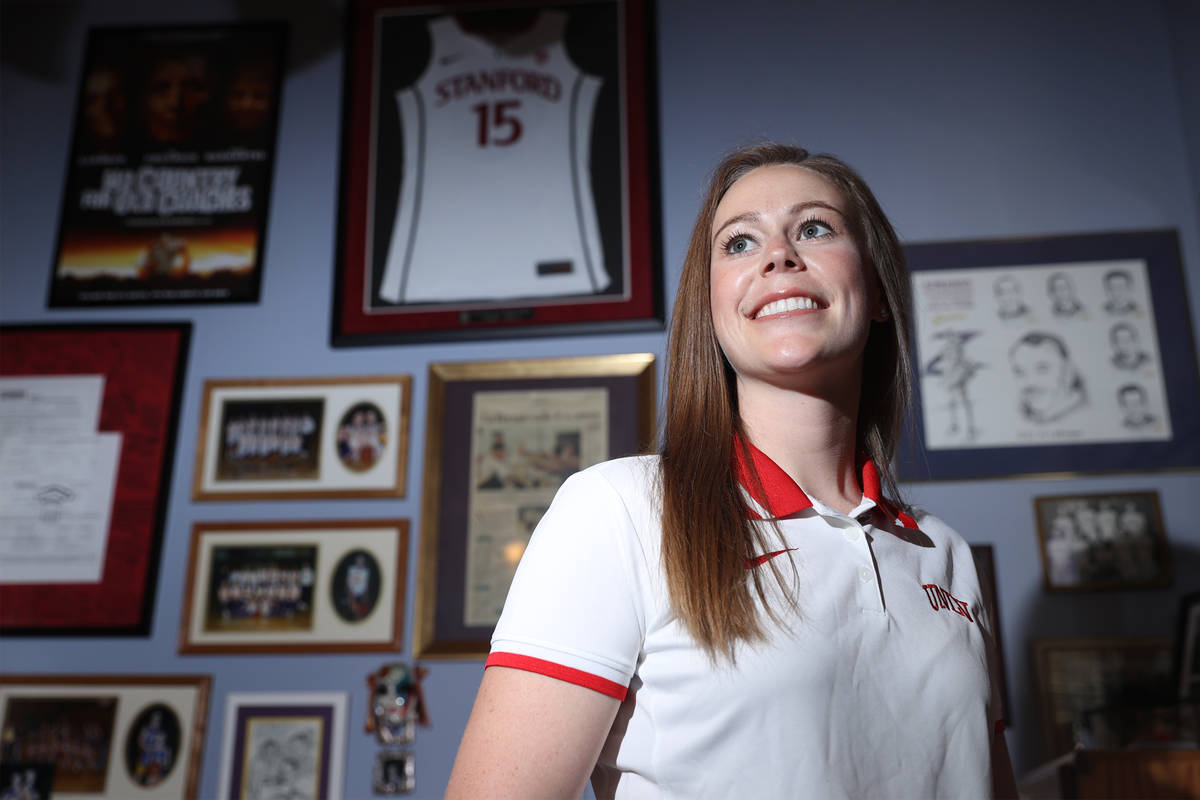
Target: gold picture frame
303	438
333	586
145	732
501	437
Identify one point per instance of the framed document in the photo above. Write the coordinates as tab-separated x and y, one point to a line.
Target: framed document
1052	356
1102	541
169	176
108	736
498	171
502	437
88	415
283	745
295	587
1075	676
302	438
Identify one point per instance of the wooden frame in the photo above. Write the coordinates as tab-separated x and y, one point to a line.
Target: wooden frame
985	567
1111	540
299	438
1052	356
402	124
295	587
152	727
1076	675
309	727
143	367
558	415
1187	647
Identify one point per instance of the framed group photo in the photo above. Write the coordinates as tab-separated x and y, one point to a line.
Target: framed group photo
278	745
300	438
291	587
1113	540
88	419
105	736
1052	356
524	135
502	436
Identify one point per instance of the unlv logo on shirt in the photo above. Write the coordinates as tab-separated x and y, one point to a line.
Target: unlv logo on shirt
940	600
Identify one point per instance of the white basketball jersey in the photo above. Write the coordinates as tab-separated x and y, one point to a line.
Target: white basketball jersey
496	200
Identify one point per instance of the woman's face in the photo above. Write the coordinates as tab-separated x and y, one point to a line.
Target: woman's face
790	295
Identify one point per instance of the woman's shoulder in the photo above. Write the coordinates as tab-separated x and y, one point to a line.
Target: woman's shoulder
630	475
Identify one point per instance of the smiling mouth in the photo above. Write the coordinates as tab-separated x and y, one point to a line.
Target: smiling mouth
787	304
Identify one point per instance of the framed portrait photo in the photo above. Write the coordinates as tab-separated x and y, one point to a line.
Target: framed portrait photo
502	437
88	419
1113	540
522	133
105	736
301	438
1187	647
1052	356
279	744
1078	676
292	587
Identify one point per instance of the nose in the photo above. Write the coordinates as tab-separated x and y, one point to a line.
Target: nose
781	253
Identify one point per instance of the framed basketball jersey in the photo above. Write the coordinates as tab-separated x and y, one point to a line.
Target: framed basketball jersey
497	172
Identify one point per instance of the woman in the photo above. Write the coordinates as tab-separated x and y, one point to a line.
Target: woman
697	625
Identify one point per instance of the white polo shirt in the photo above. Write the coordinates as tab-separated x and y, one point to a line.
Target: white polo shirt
880	687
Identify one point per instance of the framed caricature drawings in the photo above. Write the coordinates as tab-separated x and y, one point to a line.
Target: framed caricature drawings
107	736
169	175
502	437
88	416
303	438
1057	355
306	731
1102	541
295	587
523	136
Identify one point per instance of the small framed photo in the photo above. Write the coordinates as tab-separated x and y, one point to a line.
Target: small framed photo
283	745
292	587
1079	676
502	436
1053	355
395	772
105	736
985	567
281	439
1102	541
1187	647
537	121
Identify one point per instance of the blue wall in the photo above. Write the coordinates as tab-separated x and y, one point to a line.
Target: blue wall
970	120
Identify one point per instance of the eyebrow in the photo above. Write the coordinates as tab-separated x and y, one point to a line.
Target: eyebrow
754	216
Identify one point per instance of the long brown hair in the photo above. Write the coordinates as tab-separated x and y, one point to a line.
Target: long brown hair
706	535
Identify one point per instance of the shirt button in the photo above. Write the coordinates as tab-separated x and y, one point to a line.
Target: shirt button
851	534
865	574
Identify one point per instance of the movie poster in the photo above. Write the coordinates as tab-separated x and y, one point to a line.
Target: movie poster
170	169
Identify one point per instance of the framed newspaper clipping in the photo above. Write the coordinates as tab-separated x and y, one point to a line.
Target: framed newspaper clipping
499	175
170	170
105	736
88	418
1052	356
503	435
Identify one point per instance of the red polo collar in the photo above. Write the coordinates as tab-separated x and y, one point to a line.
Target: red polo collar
782	497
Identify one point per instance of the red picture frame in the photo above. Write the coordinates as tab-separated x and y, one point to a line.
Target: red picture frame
143	366
391	51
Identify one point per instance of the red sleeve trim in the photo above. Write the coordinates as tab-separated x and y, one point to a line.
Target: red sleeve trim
548	668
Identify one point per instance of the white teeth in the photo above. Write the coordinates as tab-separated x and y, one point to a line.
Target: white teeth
786	304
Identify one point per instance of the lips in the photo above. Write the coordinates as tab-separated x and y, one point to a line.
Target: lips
785	304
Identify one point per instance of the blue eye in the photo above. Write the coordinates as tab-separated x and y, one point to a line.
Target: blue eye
737	244
813	229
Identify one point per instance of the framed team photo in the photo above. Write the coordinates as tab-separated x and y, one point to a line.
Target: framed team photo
291	587
278	745
522	135
1114	540
1052	356
502	436
89	415
1079	677
169	176
104	736
303	438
